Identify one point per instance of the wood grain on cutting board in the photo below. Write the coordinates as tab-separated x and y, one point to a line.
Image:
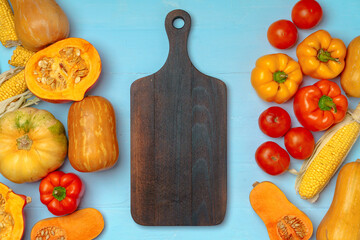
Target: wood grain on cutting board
178	140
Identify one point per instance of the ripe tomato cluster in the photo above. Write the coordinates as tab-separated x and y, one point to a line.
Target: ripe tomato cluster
305	14
299	142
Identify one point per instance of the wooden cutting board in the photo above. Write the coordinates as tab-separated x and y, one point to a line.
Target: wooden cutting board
178	140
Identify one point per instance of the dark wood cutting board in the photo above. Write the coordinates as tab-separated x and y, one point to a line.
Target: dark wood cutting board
178	140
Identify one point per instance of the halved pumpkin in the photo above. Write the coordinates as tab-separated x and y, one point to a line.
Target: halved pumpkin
12	223
64	71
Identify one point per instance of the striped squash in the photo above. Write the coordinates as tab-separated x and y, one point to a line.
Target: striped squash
93	144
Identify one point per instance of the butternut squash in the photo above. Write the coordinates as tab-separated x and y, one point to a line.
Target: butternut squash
39	23
282	219
350	77
83	224
342	220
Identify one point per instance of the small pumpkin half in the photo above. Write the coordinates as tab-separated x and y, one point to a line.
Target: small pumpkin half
282	219
64	71
11	214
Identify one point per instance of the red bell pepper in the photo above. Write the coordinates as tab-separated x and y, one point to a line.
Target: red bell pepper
319	106
61	192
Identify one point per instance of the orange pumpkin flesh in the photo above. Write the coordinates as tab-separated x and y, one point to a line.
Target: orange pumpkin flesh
93	144
11	214
282	219
64	71
84	224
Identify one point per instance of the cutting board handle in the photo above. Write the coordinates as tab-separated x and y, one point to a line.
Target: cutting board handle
178	36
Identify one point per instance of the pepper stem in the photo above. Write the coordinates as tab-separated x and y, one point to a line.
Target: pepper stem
325	56
59	193
280	76
326	104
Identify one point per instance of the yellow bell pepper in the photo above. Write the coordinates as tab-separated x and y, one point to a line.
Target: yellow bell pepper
276	77
321	56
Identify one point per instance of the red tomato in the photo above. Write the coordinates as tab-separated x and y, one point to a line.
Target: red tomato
274	122
282	34
299	142
306	14
272	158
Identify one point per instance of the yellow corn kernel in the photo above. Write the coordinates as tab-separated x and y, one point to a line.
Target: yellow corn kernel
327	161
20	56
14	86
8	35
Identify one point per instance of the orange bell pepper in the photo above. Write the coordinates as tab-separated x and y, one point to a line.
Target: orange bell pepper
276	77
321	56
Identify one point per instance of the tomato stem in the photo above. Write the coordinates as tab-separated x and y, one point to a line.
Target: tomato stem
280	76
326	104
325	56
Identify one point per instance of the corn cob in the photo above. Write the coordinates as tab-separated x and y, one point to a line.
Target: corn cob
330	152
20	57
14	86
8	35
13	90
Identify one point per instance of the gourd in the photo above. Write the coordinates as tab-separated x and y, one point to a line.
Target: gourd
84	224
64	71
39	23
32	144
342	220
282	219
93	144
12	218
350	77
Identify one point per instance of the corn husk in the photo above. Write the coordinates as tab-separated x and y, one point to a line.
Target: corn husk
351	116
19	101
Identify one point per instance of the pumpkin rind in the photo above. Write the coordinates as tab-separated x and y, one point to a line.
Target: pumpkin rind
350	77
39	23
93	144
282	219
32	144
87	223
51	75
11	213
342	220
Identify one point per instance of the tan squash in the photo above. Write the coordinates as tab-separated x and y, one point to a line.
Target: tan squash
93	144
83	224
39	23
282	219
350	77
342	220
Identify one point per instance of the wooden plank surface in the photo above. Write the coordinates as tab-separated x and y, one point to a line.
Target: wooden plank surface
181	178
225	40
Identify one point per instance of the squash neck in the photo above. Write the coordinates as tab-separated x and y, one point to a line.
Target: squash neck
24	142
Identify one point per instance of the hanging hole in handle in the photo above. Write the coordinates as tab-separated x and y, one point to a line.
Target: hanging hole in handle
178	22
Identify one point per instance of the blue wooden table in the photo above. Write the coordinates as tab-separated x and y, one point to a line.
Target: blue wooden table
225	40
